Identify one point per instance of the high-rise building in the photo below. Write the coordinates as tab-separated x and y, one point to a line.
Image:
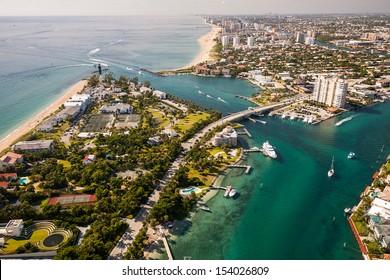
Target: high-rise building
236	41
225	40
330	91
310	40
250	41
300	37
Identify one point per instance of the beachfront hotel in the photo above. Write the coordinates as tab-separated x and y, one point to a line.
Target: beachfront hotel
330	91
228	136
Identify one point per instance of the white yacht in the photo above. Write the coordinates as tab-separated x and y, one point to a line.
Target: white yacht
331	170
232	192
351	155
268	150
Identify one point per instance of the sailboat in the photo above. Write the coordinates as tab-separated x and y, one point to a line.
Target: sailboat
331	170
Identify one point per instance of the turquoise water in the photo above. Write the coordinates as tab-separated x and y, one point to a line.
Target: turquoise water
42	57
286	207
189	191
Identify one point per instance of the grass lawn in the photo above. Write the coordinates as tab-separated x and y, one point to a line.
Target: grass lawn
190	120
14	243
205	178
160	117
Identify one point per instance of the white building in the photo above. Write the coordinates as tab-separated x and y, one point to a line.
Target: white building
228	136
82	100
310	40
225	40
34	146
160	94
117	108
250	42
236	41
13	228
330	91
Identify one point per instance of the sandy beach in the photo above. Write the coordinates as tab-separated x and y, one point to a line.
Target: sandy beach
206	43
35	120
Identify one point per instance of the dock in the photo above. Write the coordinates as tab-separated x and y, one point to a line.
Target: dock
245	132
253	150
247	167
167	248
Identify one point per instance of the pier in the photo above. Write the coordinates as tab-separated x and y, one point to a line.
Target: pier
151	72
167	248
253	150
247	167
245	132
246	98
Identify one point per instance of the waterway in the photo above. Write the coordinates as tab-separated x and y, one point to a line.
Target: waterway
288	208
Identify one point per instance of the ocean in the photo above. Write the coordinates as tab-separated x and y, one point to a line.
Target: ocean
286	208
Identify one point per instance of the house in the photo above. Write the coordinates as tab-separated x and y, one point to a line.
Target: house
144	89
170	132
155	141
4	185
117	108
8	177
381	208
160	94
10	159
13	228
383	83
34	146
88	159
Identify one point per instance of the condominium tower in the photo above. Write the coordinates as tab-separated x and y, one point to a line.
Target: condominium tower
330	91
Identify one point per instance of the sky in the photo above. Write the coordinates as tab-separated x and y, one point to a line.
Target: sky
185	7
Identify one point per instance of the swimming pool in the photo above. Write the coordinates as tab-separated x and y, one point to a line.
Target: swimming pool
24	181
190	190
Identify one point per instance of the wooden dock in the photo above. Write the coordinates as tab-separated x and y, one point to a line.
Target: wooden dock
253	150
167	248
245	132
247	167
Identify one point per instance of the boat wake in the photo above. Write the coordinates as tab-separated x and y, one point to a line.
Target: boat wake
200	92
92	52
343	121
209	96
220	99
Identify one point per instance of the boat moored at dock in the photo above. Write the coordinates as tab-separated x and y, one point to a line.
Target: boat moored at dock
269	150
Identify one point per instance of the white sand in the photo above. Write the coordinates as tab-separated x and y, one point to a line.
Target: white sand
35	120
206	43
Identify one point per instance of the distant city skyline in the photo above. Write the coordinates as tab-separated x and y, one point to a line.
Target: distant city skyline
178	7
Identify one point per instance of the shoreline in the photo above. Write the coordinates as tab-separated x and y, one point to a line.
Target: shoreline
206	43
32	122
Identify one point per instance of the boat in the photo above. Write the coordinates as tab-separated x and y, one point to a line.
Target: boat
305	119
228	189
310	120
347	210
343	121
283	116
204	207
351	155
232	192
268	150
292	117
331	170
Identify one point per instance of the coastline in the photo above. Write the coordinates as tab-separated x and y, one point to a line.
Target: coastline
206	43
31	123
